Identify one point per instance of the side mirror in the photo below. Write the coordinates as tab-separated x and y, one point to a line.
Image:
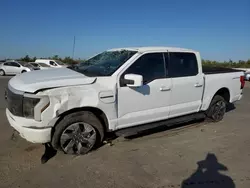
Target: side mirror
133	80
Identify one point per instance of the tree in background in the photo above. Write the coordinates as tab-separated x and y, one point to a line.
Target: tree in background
227	64
67	60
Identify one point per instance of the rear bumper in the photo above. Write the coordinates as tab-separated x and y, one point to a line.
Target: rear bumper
34	135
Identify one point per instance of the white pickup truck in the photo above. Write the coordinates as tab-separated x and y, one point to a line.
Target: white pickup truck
121	90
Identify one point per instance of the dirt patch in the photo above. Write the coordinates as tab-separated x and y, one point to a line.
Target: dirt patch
32	147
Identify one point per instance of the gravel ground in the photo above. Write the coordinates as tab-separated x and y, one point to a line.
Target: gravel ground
197	155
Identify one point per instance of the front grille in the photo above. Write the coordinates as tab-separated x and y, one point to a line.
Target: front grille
15	102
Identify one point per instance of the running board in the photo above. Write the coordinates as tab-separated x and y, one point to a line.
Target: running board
168	123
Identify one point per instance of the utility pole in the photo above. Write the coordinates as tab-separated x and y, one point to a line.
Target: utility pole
73	52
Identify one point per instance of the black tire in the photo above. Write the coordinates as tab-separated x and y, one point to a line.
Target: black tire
24	71
2	73
217	109
85	118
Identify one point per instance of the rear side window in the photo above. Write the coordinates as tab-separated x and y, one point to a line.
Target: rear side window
15	64
7	64
151	66
182	64
35	65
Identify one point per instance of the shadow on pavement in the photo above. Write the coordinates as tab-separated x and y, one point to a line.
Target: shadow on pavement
230	107
49	153
165	128
207	175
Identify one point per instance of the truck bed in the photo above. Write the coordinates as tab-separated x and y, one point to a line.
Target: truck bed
218	70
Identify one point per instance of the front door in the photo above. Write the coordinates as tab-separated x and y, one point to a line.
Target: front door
149	102
15	68
7	67
187	83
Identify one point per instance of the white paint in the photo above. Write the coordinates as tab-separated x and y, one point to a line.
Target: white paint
23	127
144	104
123	106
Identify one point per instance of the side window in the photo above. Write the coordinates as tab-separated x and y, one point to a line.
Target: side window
52	63
15	64
34	64
150	66
7	64
182	64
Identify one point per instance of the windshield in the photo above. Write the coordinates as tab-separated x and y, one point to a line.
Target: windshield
43	65
59	62
104	64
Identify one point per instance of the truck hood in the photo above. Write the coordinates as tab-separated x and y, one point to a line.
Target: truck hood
49	78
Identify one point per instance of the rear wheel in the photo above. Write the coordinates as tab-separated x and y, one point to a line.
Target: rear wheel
217	109
2	73
78	133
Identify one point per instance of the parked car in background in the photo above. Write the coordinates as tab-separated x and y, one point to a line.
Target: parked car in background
247	75
40	66
14	67
125	90
52	63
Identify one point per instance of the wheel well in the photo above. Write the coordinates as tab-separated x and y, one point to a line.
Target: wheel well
99	114
224	92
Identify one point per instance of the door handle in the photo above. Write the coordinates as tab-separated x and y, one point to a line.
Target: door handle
165	88
198	85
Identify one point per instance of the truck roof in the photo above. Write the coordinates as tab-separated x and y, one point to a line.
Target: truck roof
45	60
154	48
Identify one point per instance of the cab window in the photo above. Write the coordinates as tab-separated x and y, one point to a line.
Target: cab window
182	64
151	66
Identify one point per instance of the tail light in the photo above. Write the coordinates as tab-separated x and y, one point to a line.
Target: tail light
242	82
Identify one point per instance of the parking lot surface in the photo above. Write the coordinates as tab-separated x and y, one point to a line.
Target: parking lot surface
199	155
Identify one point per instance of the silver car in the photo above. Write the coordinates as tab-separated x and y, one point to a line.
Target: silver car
14	67
40	66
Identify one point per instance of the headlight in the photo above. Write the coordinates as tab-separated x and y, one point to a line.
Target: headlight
33	106
29	105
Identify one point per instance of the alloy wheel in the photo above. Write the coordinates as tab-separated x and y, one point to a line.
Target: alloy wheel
78	138
219	110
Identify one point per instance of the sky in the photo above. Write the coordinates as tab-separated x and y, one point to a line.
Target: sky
219	29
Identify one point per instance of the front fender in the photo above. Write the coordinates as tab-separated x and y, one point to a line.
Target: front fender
70	98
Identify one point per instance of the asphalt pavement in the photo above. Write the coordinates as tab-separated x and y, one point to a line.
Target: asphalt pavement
197	155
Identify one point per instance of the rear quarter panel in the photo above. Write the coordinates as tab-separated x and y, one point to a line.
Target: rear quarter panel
215	82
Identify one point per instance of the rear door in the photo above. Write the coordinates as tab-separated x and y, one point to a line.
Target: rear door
187	83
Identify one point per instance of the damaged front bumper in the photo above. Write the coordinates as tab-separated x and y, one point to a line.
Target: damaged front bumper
29	129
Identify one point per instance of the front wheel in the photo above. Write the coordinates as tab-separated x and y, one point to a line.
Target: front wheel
23	71
2	73
217	109
78	133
